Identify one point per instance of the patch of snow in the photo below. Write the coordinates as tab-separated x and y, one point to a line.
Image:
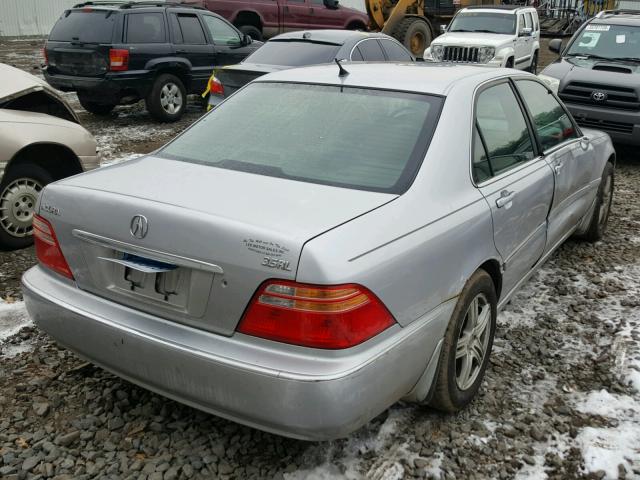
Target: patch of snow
11	351
13	317
607	405
113	161
606	448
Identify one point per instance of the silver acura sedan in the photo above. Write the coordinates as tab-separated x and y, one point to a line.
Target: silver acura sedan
320	245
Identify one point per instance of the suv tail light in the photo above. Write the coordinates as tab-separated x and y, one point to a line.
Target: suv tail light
48	248
118	60
330	317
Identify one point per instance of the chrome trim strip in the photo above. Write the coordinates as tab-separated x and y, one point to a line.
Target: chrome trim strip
147	252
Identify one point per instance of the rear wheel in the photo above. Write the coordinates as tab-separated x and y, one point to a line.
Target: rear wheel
414	34
19	192
93	107
251	30
604	198
467	345
167	99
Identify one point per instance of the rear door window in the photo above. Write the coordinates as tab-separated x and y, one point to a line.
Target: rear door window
371	51
94	26
145	28
310	133
552	123
293	53
502	126
395	52
192	33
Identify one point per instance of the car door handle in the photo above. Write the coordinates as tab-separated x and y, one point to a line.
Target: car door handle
506	197
181	51
558	167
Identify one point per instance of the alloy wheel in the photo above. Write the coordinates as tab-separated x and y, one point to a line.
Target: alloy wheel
17	204
473	342
171	98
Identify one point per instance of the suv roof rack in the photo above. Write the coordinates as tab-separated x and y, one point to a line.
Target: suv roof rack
495	7
618	12
132	4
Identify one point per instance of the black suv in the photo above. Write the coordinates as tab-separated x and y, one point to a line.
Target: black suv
114	53
598	74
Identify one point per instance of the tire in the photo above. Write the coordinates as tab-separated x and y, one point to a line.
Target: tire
167	99
533	68
415	34
19	190
251	30
95	108
600	216
455	386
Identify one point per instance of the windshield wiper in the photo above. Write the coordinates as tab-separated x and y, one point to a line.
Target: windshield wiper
627	59
589	55
485	31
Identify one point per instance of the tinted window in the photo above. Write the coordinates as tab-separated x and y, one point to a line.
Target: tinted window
221	32
175	29
145	28
95	26
481	167
503	128
551	122
293	54
356	56
371	51
471	21
192	32
310	133
395	52
318	2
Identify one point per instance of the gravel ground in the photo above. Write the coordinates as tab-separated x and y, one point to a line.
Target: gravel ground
561	398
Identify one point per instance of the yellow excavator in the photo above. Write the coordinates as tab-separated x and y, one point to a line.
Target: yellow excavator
414	23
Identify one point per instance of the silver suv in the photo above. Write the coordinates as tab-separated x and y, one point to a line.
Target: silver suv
496	36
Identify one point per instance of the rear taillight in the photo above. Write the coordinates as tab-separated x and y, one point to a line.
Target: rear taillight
330	317
118	60
215	86
48	248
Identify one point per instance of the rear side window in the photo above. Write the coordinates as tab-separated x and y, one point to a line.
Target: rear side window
145	28
551	122
221	32
528	20
192	33
293	53
395	52
310	133
95	26
371	51
503	129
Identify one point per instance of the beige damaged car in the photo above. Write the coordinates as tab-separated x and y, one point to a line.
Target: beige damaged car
41	140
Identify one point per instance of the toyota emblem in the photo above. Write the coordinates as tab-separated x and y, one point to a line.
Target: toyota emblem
139	226
598	96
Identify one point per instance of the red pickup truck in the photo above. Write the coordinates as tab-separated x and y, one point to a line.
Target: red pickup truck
265	18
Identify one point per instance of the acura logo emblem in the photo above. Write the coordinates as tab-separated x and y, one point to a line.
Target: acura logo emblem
598	96
139	226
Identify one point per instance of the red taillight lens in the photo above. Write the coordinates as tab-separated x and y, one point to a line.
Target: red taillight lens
215	86
330	317
118	60
48	248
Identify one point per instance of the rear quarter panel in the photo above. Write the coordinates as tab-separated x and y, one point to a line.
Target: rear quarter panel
419	250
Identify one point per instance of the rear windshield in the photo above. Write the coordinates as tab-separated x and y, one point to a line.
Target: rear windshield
348	137
95	26
293	54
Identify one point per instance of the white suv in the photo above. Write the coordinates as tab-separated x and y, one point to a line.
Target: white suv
496	36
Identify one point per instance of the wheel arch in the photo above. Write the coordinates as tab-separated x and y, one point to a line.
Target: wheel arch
248	17
492	267
57	159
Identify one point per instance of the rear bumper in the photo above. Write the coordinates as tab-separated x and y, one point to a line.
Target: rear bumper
622	126
110	88
302	393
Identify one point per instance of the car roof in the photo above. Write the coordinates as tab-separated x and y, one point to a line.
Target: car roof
336	37
499	8
619	17
433	78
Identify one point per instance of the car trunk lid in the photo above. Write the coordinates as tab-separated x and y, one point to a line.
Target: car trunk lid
211	236
235	77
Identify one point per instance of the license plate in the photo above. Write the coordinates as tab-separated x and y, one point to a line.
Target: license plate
142	264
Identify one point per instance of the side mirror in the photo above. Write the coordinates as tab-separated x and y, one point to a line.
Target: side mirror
526	32
555	45
443	28
246	39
